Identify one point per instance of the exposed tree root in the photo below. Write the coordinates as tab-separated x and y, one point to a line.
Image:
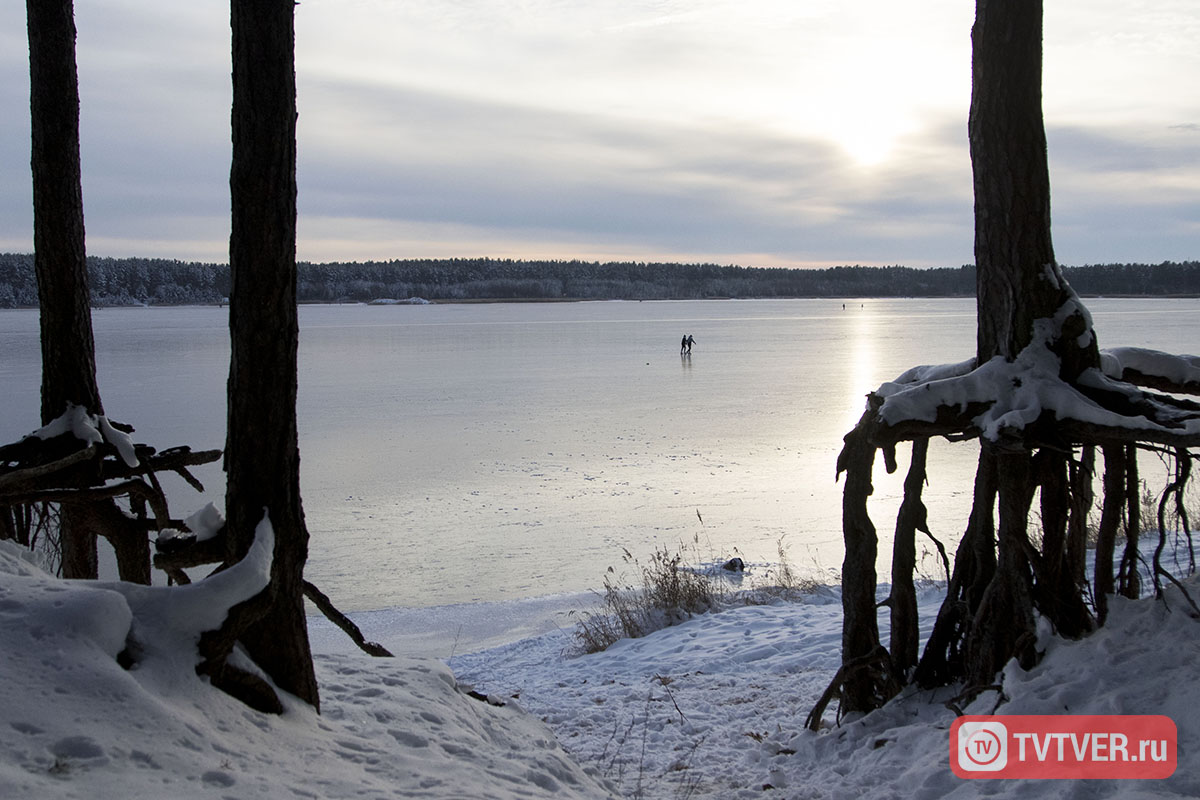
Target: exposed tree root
1039	437
84	479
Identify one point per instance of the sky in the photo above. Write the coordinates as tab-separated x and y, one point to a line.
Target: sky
763	133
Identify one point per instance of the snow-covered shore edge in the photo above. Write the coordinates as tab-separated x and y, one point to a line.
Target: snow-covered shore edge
712	708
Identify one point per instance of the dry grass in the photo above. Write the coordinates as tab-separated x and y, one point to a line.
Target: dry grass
668	591
782	581
666	594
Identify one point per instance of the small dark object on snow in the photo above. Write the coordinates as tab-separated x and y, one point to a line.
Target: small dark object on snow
734	565
474	695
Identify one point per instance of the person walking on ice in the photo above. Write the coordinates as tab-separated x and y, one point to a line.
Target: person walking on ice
689	341
683	345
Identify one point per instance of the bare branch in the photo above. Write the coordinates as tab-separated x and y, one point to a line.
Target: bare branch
323	603
21	478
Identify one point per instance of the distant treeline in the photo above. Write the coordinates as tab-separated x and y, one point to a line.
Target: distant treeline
133	281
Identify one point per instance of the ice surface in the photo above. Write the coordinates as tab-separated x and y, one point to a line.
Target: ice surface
458	454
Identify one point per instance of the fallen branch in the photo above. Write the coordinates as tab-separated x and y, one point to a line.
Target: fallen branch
20	478
175	459
134	487
326	607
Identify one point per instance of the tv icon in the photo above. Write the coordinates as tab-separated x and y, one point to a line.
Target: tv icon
982	746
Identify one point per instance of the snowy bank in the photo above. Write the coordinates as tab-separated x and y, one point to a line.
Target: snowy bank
74	724
714	709
391	301
711	709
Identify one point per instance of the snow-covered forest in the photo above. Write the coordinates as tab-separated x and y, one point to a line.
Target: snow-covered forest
130	281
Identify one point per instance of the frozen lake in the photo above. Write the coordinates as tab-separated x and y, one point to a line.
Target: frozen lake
465	453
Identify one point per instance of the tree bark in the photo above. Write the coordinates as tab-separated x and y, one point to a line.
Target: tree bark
1056	588
904	638
262	458
60	261
1012	181
77	544
1082	497
860	629
1017	278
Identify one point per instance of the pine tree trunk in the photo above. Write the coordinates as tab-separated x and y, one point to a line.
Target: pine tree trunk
1017	278
1017	283
262	457
60	262
1012	181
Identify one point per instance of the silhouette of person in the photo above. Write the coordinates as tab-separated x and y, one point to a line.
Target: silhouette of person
689	341
683	345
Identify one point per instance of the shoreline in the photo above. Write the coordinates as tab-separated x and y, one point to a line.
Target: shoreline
444	631
563	300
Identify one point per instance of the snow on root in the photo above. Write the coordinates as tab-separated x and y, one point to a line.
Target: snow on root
1178	369
90	430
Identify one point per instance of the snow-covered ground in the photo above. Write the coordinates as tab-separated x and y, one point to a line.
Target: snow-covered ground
713	708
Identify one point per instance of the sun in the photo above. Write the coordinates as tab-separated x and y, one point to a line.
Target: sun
868	144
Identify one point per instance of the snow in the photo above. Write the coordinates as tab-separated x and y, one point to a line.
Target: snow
73	723
118	439
711	708
391	301
76	421
90	430
205	523
1179	369
1017	392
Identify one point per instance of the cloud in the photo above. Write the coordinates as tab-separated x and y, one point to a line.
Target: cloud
1124	193
775	133
425	158
154	129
